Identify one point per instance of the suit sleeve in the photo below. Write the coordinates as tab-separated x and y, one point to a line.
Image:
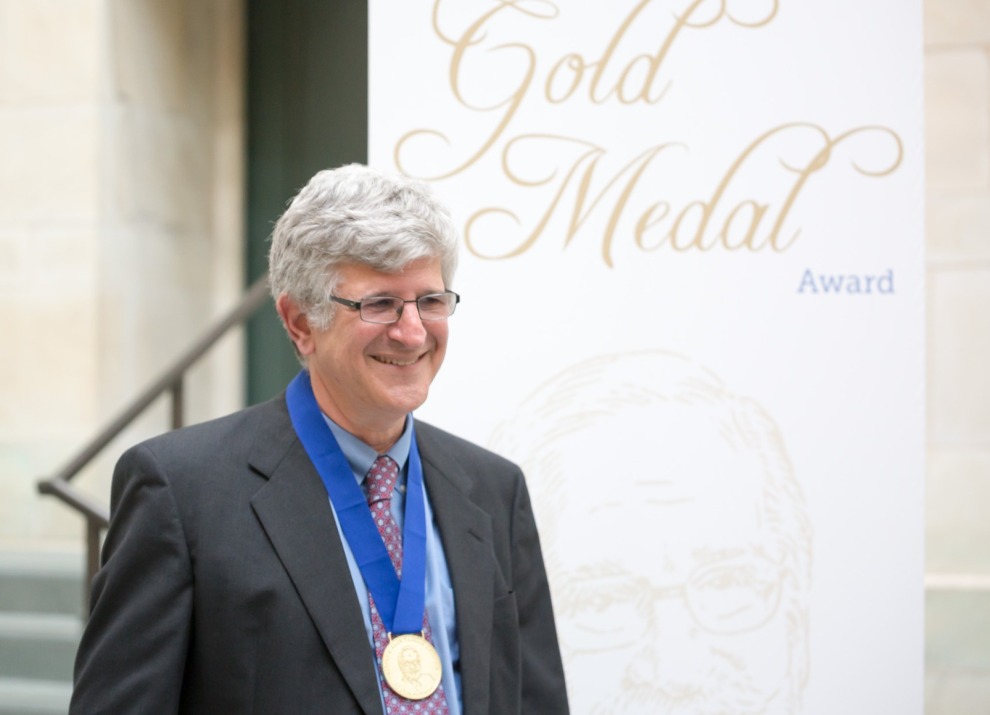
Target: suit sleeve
543	688
132	655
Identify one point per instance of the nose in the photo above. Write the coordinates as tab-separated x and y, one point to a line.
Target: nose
409	328
668	657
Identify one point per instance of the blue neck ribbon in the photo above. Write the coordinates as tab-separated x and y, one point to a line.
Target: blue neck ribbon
400	604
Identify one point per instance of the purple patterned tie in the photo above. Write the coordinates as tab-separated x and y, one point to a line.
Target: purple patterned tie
379	485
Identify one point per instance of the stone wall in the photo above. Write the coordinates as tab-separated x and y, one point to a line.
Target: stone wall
957	136
121	202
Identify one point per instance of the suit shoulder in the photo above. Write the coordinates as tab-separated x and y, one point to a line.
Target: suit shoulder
435	439
234	434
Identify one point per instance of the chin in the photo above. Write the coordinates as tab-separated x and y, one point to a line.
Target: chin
407	402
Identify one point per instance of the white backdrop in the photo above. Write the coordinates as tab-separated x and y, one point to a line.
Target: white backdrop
692	309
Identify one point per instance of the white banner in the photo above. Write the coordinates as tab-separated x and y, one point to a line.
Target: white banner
692	309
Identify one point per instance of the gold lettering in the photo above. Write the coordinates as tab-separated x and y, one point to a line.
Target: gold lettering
577	187
819	161
700	225
590	154
584	202
653	62
470	38
756	212
430	153
624	88
647	221
676	228
573	62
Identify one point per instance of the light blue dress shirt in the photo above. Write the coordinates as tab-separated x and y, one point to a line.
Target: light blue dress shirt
439	593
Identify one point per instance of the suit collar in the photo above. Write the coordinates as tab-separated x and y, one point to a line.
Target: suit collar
466	533
294	511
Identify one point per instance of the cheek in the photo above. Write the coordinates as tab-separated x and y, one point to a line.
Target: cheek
764	653
440	333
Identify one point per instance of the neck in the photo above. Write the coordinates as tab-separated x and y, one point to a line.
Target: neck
379	434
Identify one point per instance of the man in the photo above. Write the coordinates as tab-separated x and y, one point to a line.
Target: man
679	549
298	556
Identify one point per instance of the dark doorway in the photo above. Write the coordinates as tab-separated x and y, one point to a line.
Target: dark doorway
307	109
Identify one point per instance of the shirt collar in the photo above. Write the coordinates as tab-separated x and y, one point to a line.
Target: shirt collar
361	456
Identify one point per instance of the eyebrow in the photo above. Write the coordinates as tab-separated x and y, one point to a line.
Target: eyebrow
392	295
707	555
574	578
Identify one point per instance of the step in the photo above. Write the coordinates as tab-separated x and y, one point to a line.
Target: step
33	697
41	582
39	645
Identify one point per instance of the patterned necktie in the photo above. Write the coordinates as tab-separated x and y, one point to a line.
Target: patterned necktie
379	485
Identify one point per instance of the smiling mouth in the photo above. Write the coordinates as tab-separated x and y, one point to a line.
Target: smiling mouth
396	362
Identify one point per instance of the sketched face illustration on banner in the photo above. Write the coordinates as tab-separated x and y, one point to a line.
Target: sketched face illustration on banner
676	538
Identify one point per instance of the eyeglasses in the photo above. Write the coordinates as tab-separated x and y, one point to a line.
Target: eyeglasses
387	309
732	596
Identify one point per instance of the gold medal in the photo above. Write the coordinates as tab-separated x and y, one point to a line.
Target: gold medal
411	666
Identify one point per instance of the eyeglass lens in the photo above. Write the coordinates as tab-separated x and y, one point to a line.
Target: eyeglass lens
387	309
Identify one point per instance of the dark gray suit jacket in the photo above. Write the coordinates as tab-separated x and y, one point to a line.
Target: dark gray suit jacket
225	590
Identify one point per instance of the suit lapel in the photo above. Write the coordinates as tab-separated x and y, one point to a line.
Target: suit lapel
295	513
294	510
467	541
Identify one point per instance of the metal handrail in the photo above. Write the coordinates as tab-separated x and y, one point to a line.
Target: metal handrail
97	515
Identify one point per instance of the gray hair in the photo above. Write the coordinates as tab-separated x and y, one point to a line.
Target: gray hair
355	215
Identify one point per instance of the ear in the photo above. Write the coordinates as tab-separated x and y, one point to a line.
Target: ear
296	324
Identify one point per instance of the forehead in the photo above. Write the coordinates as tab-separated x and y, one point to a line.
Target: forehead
419	274
668	475
665	452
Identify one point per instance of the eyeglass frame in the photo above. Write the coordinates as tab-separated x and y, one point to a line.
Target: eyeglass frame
356	305
772	581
